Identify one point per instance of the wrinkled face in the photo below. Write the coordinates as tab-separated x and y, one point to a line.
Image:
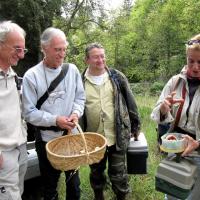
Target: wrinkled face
55	52
193	62
96	59
12	49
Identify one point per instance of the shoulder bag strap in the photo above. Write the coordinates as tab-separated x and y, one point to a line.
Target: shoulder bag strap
53	85
178	114
18	82
176	84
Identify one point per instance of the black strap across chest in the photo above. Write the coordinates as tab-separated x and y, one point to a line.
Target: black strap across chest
53	85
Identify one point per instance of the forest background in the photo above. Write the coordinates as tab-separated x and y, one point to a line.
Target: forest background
145	39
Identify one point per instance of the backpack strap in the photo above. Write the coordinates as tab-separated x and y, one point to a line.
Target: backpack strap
18	82
176	83
183	94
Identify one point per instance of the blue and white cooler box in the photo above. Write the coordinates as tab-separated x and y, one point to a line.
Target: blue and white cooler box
137	155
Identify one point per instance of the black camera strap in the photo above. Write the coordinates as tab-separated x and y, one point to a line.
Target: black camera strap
53	85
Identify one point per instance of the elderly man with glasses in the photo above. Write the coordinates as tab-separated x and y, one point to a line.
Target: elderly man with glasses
62	107
13	154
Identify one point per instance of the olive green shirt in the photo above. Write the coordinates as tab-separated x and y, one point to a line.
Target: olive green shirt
99	107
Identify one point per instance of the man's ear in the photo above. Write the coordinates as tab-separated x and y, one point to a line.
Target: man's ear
42	49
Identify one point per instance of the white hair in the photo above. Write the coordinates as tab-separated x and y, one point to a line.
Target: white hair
8	27
50	33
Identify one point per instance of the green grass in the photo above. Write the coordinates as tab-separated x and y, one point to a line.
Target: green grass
142	186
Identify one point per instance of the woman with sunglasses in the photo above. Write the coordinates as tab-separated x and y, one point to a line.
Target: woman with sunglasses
179	104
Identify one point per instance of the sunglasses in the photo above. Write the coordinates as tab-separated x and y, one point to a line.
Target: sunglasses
191	42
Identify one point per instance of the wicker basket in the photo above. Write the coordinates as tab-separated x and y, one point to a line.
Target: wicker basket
71	151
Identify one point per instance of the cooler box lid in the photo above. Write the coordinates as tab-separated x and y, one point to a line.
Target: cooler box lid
32	158
138	146
33	163
182	174
30	145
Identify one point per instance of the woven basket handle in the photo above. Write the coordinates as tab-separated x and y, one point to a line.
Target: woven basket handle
83	137
78	127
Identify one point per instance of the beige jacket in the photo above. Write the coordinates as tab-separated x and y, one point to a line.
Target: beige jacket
12	129
190	123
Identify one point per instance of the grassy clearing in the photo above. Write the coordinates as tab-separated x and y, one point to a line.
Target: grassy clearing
142	186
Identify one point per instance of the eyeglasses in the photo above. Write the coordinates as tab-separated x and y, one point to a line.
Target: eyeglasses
191	42
17	49
20	50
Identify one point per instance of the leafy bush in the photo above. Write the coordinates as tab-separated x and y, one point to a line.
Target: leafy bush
140	88
156	88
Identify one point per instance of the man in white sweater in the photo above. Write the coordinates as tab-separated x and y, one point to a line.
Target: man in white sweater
13	154
64	105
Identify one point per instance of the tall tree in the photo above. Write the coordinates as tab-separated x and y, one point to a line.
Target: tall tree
82	21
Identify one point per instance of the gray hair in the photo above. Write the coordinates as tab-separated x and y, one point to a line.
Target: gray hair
50	33
8	27
92	46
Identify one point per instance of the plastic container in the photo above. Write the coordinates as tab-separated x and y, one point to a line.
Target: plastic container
137	155
173	146
176	178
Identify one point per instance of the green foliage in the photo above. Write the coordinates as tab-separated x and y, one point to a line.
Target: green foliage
156	88
147	88
145	41
140	88
161	34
